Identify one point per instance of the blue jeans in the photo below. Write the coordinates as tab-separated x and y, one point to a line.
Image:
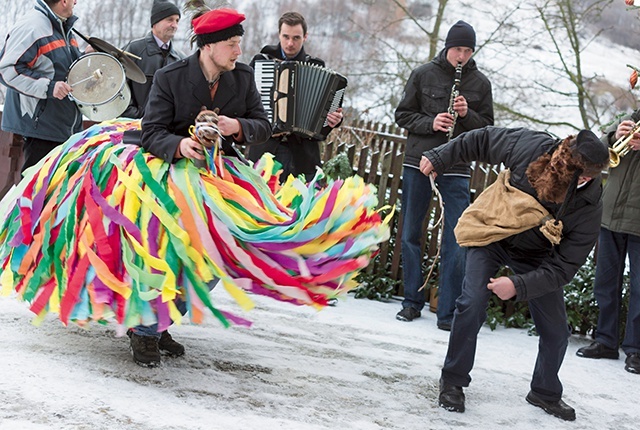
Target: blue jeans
607	289
416	196
152	330
548	313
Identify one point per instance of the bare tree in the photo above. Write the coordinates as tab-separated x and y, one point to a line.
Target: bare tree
376	44
566	20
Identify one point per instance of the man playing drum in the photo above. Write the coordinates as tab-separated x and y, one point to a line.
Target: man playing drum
34	63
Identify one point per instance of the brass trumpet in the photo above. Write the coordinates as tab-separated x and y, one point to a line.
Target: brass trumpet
621	147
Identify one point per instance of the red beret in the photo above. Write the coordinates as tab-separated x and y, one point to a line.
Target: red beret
216	20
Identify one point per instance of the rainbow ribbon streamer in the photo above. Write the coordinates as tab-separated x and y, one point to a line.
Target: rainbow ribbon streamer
101	230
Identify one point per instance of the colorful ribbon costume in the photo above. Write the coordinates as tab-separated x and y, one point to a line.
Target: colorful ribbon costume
100	229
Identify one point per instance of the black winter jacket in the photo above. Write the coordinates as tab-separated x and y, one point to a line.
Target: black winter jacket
152	59
516	149
427	94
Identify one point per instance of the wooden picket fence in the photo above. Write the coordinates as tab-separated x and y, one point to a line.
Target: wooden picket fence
376	152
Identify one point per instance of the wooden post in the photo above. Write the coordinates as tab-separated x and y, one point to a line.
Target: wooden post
11	160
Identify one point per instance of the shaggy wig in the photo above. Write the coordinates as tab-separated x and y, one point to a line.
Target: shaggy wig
552	174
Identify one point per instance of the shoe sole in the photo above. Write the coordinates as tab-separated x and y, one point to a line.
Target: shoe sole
632	370
168	353
452	408
149	365
405	319
545	408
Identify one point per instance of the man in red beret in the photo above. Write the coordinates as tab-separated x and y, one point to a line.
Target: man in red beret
210	79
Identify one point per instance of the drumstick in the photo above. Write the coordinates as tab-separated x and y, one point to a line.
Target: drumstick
131	55
97	74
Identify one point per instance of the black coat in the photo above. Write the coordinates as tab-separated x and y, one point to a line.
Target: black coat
151	59
516	149
305	152
427	94
180	91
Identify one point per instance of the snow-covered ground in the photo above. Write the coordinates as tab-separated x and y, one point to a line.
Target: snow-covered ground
348	367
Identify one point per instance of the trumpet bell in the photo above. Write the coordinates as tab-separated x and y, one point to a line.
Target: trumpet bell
614	158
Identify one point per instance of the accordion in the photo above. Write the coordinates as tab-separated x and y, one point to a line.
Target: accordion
298	96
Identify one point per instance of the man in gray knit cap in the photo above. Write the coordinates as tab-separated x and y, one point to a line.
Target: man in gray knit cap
155	51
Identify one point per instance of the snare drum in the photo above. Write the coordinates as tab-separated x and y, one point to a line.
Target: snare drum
99	86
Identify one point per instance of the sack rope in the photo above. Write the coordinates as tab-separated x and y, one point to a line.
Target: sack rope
431	227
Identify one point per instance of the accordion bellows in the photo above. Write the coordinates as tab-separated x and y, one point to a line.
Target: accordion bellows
298	96
100	230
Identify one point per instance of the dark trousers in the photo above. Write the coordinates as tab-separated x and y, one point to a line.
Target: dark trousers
416	197
548	312
35	149
613	250
297	156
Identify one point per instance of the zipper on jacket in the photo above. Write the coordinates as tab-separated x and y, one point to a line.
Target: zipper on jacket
75	121
39	112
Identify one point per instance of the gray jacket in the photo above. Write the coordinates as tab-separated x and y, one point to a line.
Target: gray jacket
38	52
152	59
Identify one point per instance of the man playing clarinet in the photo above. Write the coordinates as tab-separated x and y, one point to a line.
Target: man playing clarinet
427	111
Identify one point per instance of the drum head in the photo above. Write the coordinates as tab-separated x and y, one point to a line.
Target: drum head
96	78
131	69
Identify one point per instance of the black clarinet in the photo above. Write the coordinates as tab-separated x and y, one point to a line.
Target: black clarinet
455	92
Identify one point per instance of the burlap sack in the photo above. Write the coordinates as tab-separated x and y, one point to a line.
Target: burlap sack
502	210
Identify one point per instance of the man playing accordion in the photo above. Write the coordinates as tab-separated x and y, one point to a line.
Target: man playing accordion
297	154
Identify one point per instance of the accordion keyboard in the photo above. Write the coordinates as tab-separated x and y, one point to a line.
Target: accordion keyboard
264	75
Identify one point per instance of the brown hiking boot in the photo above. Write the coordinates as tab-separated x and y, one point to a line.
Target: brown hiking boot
170	346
